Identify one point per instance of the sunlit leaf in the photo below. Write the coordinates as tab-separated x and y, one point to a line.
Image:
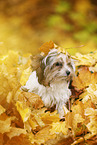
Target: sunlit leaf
25	113
59	127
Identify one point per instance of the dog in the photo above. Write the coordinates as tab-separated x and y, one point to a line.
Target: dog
51	78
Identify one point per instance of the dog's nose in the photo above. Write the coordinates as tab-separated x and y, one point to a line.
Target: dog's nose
67	72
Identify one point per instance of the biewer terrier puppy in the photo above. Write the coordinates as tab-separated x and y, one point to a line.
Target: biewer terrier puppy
51	78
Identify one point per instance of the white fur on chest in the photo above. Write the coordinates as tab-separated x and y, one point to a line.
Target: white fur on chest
55	94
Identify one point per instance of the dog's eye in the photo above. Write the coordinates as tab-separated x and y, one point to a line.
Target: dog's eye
58	64
69	64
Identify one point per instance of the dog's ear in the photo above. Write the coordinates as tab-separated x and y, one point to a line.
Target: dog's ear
38	66
36	61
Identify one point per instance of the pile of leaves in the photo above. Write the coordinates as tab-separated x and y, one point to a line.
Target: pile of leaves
23	117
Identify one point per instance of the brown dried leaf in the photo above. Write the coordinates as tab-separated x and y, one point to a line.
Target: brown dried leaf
1	139
19	140
89	139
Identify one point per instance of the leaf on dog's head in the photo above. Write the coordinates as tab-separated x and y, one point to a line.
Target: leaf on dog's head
46	47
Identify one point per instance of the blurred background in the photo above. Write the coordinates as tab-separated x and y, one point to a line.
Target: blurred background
26	24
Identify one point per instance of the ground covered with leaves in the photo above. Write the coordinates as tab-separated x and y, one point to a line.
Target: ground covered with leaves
25	121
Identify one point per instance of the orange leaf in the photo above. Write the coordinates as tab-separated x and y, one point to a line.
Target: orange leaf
46	47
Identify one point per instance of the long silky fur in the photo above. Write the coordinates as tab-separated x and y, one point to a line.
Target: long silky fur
50	80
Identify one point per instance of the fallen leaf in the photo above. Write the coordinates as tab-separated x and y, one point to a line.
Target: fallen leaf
59	127
19	140
31	99
25	113
46	47
2	109
5	125
15	132
84	78
92	125
43	135
1	139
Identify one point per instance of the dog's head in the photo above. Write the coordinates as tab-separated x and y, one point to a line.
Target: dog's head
57	67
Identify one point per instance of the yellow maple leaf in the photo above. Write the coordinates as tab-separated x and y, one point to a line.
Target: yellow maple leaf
59	127
11	60
25	75
92	125
43	135
25	113
92	92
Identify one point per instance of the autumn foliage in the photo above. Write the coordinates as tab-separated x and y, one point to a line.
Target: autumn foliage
25	121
